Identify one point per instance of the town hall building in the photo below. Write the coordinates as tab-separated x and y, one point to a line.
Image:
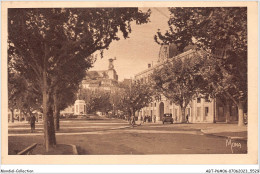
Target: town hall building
199	110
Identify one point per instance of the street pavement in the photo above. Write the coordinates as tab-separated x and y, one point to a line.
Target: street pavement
217	129
113	136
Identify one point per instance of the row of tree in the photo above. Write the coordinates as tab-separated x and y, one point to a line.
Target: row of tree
220	35
51	49
123	98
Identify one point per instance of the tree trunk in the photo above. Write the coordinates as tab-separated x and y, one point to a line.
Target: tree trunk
57	119
56	113
133	112
12	116
240	110
214	110
183	120
49	131
240	114
227	112
19	116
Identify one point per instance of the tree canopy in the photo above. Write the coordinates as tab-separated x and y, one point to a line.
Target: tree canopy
98	100
222	33
135	97
46	39
179	79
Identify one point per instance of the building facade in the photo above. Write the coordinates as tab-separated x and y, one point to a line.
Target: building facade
95	81
199	110
105	80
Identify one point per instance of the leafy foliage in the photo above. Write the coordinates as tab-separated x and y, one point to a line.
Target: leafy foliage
222	33
98	100
46	40
135	97
21	95
179	79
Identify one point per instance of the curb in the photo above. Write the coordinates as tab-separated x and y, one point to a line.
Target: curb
223	136
27	150
74	149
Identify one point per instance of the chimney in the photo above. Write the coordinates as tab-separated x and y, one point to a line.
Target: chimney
149	65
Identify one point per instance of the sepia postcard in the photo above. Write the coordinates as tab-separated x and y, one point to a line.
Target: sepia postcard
129	83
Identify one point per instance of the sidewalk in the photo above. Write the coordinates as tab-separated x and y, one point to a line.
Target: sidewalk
231	131
215	129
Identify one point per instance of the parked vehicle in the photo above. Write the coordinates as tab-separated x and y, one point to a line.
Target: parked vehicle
167	118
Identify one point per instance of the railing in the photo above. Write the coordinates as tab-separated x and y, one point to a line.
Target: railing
28	150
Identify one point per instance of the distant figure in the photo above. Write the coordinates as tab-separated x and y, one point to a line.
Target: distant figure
32	122
129	118
187	118
132	120
154	118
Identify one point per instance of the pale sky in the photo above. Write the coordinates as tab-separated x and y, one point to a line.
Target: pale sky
134	53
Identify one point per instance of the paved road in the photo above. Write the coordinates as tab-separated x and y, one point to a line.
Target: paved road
117	137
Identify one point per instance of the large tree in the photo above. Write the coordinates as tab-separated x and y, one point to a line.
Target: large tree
16	92
68	79
21	96
179	80
135	97
47	38
96	100
222	33
115	98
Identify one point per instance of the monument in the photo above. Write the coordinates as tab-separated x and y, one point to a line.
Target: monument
79	106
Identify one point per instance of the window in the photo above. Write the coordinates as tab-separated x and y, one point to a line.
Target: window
198	112
198	100
154	104
207	99
151	104
76	108
170	102
206	111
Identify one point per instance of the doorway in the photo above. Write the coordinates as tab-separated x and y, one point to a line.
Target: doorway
161	110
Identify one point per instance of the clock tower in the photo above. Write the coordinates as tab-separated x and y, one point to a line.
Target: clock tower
111	65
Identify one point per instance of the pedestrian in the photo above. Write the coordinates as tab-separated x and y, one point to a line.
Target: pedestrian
187	118
132	122
32	122
154	118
